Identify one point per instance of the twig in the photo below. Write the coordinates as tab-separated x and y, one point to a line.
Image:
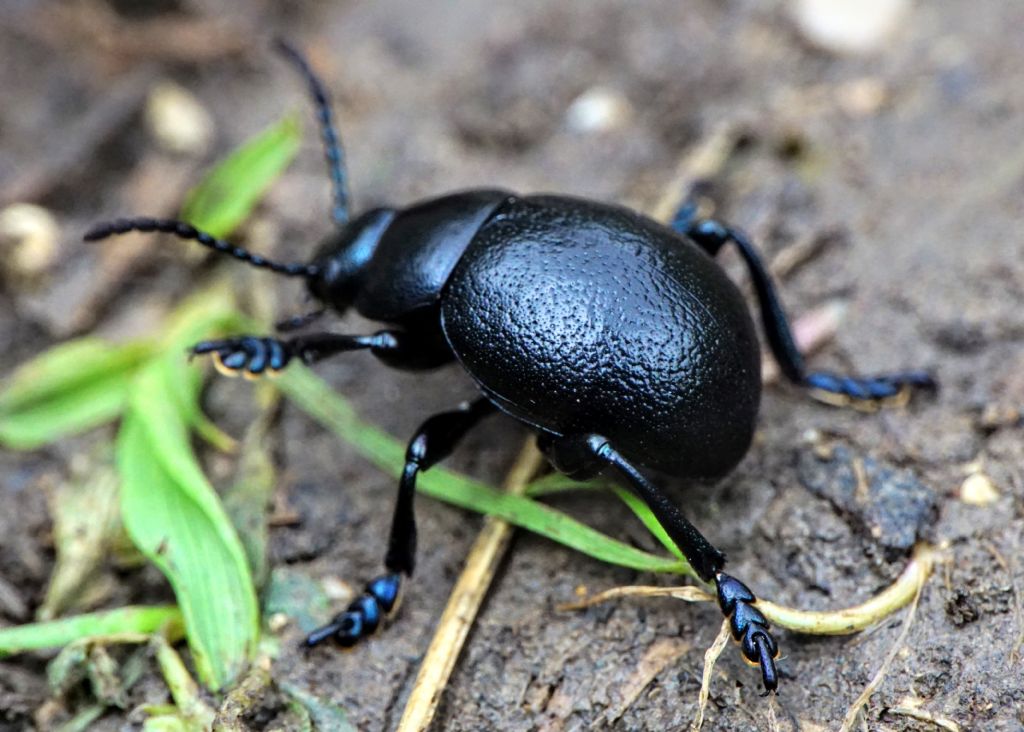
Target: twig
925	716
687	593
702	163
464	602
710	657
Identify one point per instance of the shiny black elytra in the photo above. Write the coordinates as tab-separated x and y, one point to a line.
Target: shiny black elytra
618	340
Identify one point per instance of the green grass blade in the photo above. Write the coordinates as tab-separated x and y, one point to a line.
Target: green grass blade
557	483
58	633
68	389
227	195
67	367
316	398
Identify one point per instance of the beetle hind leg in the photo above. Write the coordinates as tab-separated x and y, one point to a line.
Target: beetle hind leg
840	390
584	456
433	441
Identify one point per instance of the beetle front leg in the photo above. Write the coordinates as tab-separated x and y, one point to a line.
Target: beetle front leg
826	386
433	442
253	356
583	456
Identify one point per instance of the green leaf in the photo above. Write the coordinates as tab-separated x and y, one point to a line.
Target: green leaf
173	516
316	398
58	633
227	195
70	388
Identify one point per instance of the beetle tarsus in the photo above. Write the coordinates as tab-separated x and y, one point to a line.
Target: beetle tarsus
364	616
250	356
879	388
749	628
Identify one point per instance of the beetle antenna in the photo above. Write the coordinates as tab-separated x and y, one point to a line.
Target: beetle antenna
333	151
186	231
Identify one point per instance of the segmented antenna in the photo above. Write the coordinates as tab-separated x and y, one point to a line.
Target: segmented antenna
186	231
333	150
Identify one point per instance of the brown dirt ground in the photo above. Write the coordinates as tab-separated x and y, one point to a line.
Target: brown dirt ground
925	193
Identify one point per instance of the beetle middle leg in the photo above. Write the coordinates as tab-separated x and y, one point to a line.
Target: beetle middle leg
711	235
433	442
584	456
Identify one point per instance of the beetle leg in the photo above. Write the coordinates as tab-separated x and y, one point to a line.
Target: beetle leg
583	456
252	356
433	441
828	387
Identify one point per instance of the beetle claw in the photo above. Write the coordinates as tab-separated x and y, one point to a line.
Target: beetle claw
868	392
364	616
249	356
749	627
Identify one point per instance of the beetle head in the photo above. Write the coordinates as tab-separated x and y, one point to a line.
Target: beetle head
342	258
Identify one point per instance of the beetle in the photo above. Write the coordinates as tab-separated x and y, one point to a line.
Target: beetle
618	340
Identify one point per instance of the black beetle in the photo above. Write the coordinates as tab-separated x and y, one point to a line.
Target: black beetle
618	340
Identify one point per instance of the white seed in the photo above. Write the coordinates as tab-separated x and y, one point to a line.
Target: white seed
598	109
177	121
28	239
978	490
861	97
848	26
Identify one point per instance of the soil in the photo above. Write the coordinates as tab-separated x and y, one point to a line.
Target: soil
908	161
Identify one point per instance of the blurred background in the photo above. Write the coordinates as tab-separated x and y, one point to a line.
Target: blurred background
880	145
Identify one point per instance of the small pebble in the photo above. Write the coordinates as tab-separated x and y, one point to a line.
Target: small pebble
337	589
598	109
861	97
978	490
997	415
28	240
278	622
848	26
177	121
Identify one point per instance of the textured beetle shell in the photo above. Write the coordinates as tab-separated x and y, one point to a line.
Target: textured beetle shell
578	317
